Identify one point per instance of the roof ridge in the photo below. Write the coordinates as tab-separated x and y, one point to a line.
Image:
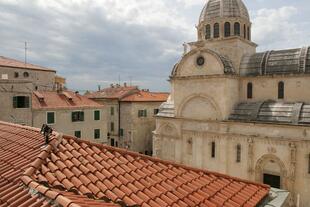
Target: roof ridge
135	154
20	126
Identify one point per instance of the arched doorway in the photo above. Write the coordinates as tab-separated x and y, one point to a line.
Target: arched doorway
271	170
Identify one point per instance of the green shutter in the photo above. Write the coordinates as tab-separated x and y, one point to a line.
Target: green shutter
82	116
97	115
73	116
50	118
145	113
97	133
27	102
15	102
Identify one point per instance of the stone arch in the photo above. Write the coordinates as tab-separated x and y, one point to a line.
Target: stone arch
195	103
168	129
280	170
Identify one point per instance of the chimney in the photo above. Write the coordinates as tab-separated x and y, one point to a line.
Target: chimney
99	88
125	84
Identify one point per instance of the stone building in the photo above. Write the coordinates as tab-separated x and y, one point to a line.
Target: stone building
42	78
236	111
70	113
130	115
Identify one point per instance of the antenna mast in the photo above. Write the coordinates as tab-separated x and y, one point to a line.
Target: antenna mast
26	54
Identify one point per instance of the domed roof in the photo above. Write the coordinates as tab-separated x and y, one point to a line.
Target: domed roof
224	8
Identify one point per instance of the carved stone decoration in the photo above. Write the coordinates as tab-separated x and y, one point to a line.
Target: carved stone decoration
292	173
251	157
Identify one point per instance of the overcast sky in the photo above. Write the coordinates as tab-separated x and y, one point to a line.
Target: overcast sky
94	42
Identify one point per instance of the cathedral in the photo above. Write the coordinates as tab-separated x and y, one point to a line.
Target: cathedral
235	111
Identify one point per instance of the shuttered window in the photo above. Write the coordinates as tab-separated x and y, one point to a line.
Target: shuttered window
50	117
77	116
237	29
97	133
216	30
77	134
227	29
96	115
21	102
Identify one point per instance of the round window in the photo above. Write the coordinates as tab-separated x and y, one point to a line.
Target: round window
200	61
26	74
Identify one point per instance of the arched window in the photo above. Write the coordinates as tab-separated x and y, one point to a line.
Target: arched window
216	30
250	91
237	29
249	33
213	149
227	29
238	150
281	90
208	32
26	74
244	31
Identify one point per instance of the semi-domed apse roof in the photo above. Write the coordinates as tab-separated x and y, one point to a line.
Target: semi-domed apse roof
224	8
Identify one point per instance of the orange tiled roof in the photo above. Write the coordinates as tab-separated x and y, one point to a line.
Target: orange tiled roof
19	146
11	63
131	179
61	100
146	96
113	92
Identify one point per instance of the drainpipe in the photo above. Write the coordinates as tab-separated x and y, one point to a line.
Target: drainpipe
119	121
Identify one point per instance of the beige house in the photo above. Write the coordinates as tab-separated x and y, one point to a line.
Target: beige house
17	82
239	112
130	115
69	113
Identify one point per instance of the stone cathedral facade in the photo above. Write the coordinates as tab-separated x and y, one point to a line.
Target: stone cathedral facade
236	111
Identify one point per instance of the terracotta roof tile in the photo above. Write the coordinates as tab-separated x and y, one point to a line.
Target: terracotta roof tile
11	63
61	100
146	96
113	93
102	172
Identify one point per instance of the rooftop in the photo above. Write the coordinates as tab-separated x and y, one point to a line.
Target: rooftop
114	92
11	63
61	100
72	172
146	96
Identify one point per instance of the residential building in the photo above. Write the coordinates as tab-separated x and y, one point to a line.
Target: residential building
131	115
42	78
238	112
70	113
71	172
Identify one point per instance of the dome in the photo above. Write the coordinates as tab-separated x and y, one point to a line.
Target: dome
224	8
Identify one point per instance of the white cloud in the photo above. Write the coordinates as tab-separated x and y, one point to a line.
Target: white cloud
274	28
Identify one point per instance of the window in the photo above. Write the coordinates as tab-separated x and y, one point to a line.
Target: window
142	113
112	111
213	149
97	133
112	127
96	115
156	111
50	117
77	134
216	30
250	91
281	90
112	142
121	132
244	31
26	74
116	144
16	75
227	29
208	32
237	29
77	116
20	102
238	158
249	33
